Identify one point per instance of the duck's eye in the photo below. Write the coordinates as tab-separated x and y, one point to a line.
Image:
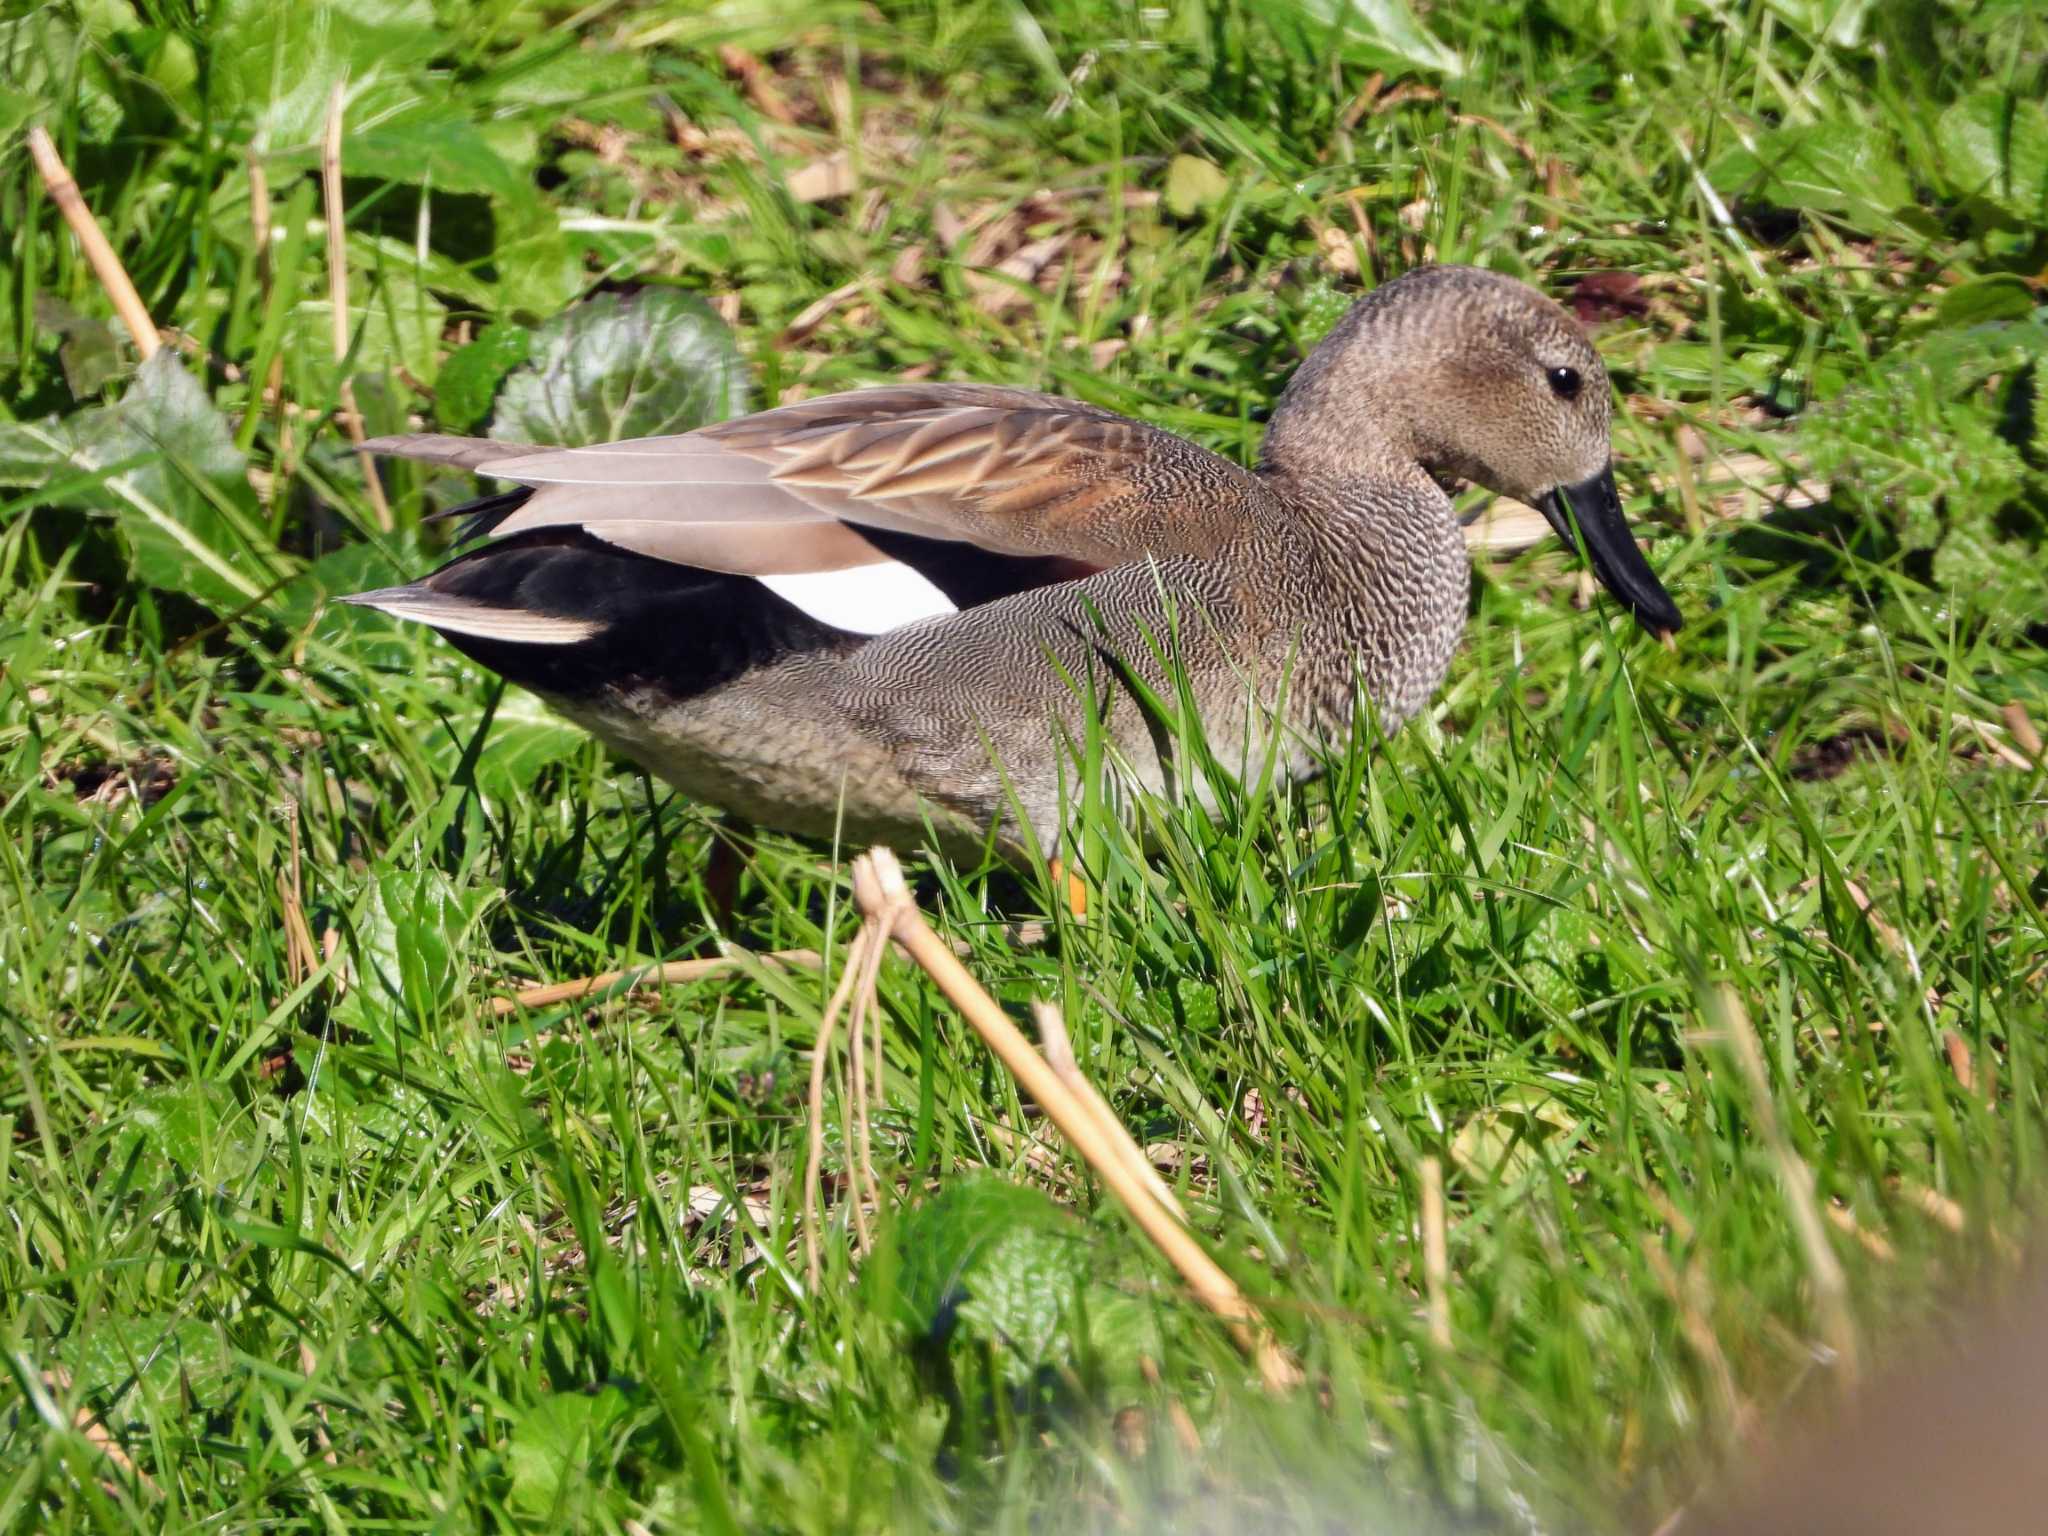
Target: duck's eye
1564	383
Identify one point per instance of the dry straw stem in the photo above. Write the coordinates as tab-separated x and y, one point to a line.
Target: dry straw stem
1874	1243
1992	739
337	293
309	1367
1436	1253
673	973
106	265
1691	1300
1823	1268
884	897
1951	1217
301	958
2020	725
872	940
861	1179
88	1424
1059	1051
259	235
330	944
1177	1413
259	220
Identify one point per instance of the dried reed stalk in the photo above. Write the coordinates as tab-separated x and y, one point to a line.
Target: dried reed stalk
884	898
672	973
337	293
870	938
1802	1202
106	266
1436	1253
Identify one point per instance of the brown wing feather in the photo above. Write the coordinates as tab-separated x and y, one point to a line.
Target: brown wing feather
1007	469
1010	470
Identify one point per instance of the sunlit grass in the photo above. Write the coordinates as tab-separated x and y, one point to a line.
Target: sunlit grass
347	1247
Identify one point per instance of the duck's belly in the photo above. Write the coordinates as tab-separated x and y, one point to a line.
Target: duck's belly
795	767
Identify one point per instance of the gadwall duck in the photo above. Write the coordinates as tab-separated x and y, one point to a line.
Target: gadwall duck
887	614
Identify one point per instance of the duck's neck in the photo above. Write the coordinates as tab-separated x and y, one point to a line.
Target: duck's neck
1394	557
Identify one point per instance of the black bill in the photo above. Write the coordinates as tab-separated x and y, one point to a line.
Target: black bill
1595	508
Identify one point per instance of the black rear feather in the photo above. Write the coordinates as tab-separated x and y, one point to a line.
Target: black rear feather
484	513
663	625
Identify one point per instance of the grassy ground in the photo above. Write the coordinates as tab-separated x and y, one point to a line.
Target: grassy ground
1711	978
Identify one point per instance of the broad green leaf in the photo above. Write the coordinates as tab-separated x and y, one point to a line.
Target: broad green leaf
105	20
1193	184
159	1353
1500	1143
1975	300
1323	304
90	355
612	82
515	140
276	64
1839	23
1367	32
996	1257
1997	578
1838	167
1960	483
623	365
432	917
173	68
439	274
354	567
470	376
539	268
445	153
16	108
395	325
50	67
162	464
560	1447
526	736
410	932
196	1127
993	1263
1553	958
1995	146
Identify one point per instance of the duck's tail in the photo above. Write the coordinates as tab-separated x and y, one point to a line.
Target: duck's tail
567	614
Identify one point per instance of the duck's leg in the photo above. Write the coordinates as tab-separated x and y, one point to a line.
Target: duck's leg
727	861
1070	885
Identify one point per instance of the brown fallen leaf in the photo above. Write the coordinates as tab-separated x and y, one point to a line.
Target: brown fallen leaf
2021	725
1402	94
756	81
822	179
907	270
817	312
1002	288
1102	353
1339	254
1603	296
1362	102
1513	140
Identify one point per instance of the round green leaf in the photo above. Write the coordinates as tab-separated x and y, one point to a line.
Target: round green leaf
469	379
624	365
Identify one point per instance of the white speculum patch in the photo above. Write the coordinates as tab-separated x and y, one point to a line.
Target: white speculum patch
866	600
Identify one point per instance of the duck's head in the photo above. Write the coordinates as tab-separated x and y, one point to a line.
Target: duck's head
1478	376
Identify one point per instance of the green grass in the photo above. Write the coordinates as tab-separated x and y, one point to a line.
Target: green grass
300	1252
